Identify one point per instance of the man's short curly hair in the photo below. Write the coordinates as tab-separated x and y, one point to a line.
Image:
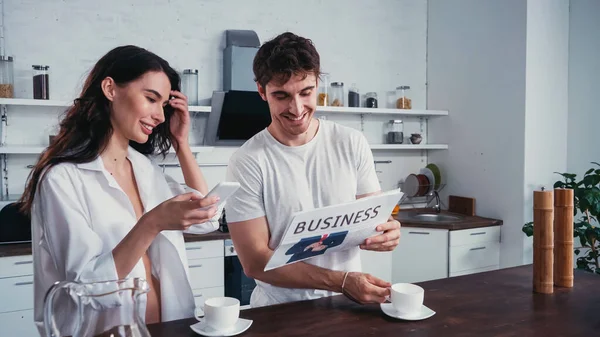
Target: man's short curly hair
284	56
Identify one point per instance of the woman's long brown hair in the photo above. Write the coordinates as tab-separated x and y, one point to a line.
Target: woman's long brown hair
86	128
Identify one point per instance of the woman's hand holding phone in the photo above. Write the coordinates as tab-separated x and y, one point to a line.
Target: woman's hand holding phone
181	212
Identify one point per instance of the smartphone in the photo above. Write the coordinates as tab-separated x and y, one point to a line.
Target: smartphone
223	190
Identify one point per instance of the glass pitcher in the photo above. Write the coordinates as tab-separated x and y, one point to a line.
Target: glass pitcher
102	308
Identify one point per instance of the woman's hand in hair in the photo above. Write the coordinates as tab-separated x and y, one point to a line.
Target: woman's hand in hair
180	121
180	212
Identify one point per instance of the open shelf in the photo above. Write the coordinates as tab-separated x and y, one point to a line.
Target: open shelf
22	149
34	102
64	104
380	111
206	108
409	146
34	149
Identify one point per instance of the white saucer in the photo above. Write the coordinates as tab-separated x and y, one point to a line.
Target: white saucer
424	313
240	326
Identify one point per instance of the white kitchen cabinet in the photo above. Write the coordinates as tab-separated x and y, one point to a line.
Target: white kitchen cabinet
422	255
378	264
11	266
428	254
18	323
16	294
474	250
204	249
205	262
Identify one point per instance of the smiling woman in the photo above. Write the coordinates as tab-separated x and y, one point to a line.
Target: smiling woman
101	210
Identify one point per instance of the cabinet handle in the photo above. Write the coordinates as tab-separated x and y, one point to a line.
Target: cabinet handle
199	295
382	161
196	266
477	248
424	233
23	262
193	248
23	283
478	233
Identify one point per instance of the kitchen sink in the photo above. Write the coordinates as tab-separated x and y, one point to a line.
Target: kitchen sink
436	217
428	217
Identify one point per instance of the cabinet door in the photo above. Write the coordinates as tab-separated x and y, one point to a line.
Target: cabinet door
16	293
422	255
378	264
16	266
18	323
207	273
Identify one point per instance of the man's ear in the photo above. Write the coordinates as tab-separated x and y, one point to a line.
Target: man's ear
109	87
261	91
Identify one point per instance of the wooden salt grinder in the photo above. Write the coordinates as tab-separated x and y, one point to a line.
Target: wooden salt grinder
543	241
563	237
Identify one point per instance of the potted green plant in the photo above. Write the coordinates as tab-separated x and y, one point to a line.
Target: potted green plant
586	212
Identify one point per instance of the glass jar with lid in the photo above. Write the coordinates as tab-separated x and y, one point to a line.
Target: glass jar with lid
403	100
395	132
336	94
7	89
41	82
371	100
353	96
189	85
323	96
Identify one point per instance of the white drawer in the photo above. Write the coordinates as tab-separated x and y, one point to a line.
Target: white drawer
474	256
207	273
16	266
16	293
475	235
204	249
201	295
18	323
474	271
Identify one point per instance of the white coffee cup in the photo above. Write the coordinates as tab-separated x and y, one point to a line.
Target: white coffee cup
407	298
221	313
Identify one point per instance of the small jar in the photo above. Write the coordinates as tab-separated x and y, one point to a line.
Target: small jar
7	89
371	100
323	95
395	132
391	99
41	79
353	96
336	94
189	85
403	100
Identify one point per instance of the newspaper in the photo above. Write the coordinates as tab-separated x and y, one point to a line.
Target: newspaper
333	228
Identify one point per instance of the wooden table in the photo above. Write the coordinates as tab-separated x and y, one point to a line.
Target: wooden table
498	303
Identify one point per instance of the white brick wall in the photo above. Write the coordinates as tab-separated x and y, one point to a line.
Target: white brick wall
376	44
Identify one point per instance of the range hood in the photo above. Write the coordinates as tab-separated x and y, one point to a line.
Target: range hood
235	116
237	112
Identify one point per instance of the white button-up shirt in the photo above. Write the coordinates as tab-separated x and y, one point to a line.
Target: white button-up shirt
80	214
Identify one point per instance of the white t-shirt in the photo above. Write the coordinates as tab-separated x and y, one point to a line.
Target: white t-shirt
278	180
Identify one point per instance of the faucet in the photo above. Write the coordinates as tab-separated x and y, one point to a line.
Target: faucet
437	206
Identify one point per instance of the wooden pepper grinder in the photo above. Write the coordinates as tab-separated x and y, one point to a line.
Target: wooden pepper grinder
563	237
543	241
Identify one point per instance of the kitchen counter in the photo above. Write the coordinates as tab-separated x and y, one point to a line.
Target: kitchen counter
467	222
16	249
496	303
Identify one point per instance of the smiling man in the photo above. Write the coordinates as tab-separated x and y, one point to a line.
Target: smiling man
297	163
